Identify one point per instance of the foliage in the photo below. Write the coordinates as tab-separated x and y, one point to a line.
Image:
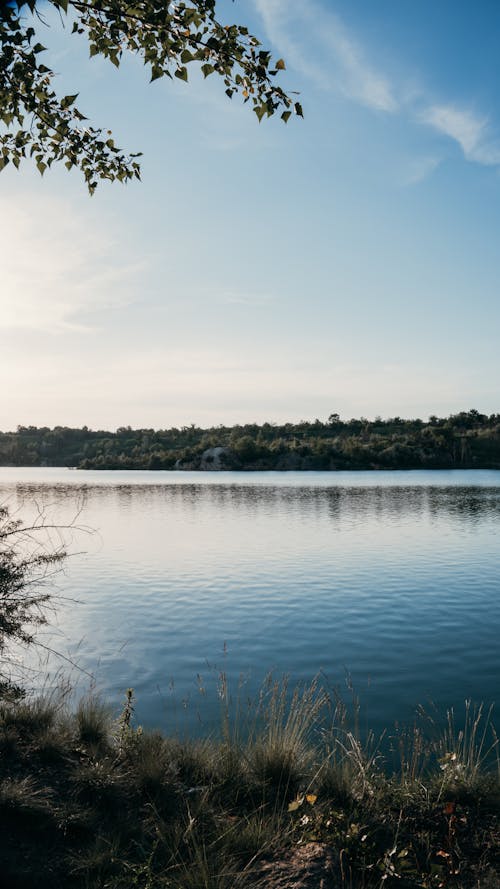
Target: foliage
461	441
25	566
167	36
163	812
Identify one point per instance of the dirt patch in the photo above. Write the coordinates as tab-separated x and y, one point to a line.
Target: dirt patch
311	866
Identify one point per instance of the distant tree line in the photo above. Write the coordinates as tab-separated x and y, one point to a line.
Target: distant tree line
468	439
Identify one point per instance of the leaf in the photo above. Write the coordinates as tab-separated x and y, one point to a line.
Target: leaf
311	798
167	38
286	116
295	804
298	109
68	100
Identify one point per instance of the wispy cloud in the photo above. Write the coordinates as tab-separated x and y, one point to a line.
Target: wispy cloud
470	130
317	43
57	266
246	298
339	61
418	169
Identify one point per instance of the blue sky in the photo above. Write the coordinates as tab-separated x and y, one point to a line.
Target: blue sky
348	262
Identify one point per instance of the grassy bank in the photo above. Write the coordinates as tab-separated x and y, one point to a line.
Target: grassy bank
289	799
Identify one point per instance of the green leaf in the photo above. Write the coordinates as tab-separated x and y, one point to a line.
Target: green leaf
68	100
167	37
286	116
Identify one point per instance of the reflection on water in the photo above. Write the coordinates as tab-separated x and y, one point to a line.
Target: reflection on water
392	577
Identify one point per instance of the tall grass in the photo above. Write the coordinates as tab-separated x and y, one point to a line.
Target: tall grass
118	807
464	751
281	746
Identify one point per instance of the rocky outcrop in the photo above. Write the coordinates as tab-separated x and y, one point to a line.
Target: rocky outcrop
212	460
215	459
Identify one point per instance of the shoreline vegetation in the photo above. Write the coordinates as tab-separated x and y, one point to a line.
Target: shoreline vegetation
289	799
286	794
466	440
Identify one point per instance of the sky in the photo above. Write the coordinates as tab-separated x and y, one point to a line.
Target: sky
348	262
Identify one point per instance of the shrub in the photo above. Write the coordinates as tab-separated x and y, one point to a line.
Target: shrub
26	563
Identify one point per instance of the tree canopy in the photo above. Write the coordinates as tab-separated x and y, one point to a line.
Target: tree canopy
465	440
37	122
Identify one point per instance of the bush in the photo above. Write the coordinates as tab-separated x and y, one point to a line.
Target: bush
25	566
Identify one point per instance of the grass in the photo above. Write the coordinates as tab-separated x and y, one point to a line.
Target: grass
93	803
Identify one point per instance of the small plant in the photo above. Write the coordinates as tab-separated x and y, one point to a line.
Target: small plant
28	718
93	724
464	752
125	719
152	773
281	748
23	795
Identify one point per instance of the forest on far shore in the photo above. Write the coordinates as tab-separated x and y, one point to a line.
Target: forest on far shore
464	440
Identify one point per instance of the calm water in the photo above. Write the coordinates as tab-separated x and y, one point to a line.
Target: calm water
390	577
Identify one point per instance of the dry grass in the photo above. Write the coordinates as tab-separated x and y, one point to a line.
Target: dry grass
85	804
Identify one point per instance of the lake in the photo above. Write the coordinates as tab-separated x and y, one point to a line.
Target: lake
386	580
